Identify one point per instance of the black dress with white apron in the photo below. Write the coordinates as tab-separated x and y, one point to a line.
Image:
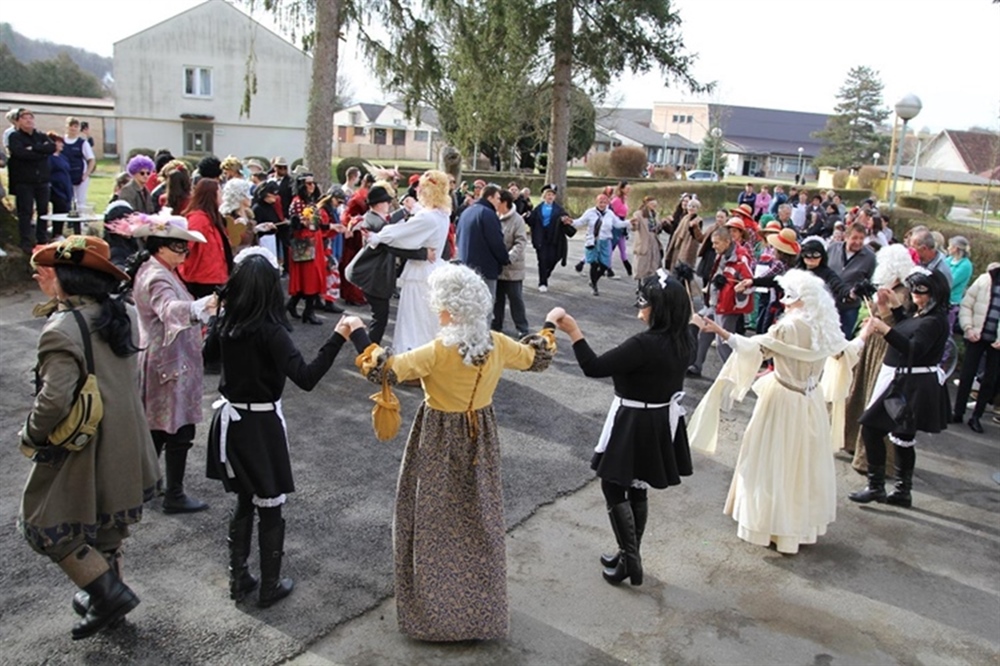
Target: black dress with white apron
644	440
922	339
248	443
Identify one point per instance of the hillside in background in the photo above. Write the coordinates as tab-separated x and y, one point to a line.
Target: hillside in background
28	50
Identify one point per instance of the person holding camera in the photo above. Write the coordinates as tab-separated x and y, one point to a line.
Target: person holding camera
724	304
854	262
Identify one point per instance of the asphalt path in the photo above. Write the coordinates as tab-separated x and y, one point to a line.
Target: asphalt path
885	586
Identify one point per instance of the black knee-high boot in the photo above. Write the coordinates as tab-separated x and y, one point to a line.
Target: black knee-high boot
875	451
293	305
640	512
273	587
174	499
109	599
629	566
906	458
309	314
241	581
81	600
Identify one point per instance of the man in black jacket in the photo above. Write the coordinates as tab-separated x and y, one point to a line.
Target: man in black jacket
479	237
28	173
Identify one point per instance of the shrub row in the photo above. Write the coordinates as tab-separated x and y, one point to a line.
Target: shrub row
984	247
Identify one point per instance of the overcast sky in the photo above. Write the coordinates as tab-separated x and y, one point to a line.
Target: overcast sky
782	54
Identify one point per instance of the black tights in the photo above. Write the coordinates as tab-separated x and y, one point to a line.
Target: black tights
906	456
616	494
270	516
597	270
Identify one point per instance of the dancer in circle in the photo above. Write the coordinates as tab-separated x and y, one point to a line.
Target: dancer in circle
248	441
448	536
77	506
644	440
916	342
784	487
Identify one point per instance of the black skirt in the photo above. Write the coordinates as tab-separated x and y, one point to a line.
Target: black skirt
642	447
926	397
257	452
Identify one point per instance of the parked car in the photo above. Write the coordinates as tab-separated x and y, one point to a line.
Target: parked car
702	175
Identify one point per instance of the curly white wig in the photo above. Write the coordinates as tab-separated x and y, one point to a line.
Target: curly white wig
892	264
461	292
818	308
234	192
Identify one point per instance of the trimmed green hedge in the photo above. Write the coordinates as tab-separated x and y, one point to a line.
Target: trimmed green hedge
924	204
947	201
984	247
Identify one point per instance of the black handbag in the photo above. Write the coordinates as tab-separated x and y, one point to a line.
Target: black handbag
895	403
372	268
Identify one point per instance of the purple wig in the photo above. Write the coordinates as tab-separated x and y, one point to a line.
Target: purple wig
138	163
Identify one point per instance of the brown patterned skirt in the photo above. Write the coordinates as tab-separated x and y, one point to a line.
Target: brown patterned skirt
865	373
448	535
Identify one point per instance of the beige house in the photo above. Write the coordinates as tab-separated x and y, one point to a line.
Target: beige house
966	152
180	85
383	132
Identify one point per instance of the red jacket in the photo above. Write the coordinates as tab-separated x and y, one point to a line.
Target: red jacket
207	262
736	269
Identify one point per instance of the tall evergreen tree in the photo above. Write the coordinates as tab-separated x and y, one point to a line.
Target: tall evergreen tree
853	134
712	153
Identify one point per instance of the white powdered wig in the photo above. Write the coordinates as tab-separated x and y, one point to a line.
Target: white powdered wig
256	250
818	308
461	292
892	264
234	192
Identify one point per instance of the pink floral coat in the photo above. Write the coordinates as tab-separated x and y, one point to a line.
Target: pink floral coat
170	365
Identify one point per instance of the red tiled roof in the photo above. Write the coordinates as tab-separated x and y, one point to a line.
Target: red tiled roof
977	149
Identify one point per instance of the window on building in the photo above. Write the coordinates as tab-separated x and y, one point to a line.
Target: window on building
197	82
355	118
421	136
359	131
690	119
399	137
380	137
110	137
675	119
197	138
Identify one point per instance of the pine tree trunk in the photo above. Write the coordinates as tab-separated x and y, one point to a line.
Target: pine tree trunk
562	78
323	95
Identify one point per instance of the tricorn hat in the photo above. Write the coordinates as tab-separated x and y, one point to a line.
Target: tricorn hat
87	251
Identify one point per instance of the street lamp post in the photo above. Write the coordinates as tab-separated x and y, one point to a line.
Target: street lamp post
907	109
798	171
875	157
716	133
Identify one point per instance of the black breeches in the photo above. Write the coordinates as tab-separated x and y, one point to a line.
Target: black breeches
616	494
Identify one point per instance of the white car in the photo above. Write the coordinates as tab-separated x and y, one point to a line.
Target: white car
702	175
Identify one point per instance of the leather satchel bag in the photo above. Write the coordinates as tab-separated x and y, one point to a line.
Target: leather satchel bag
75	431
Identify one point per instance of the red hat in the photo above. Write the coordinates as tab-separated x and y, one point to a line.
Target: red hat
414	179
744	212
736	223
